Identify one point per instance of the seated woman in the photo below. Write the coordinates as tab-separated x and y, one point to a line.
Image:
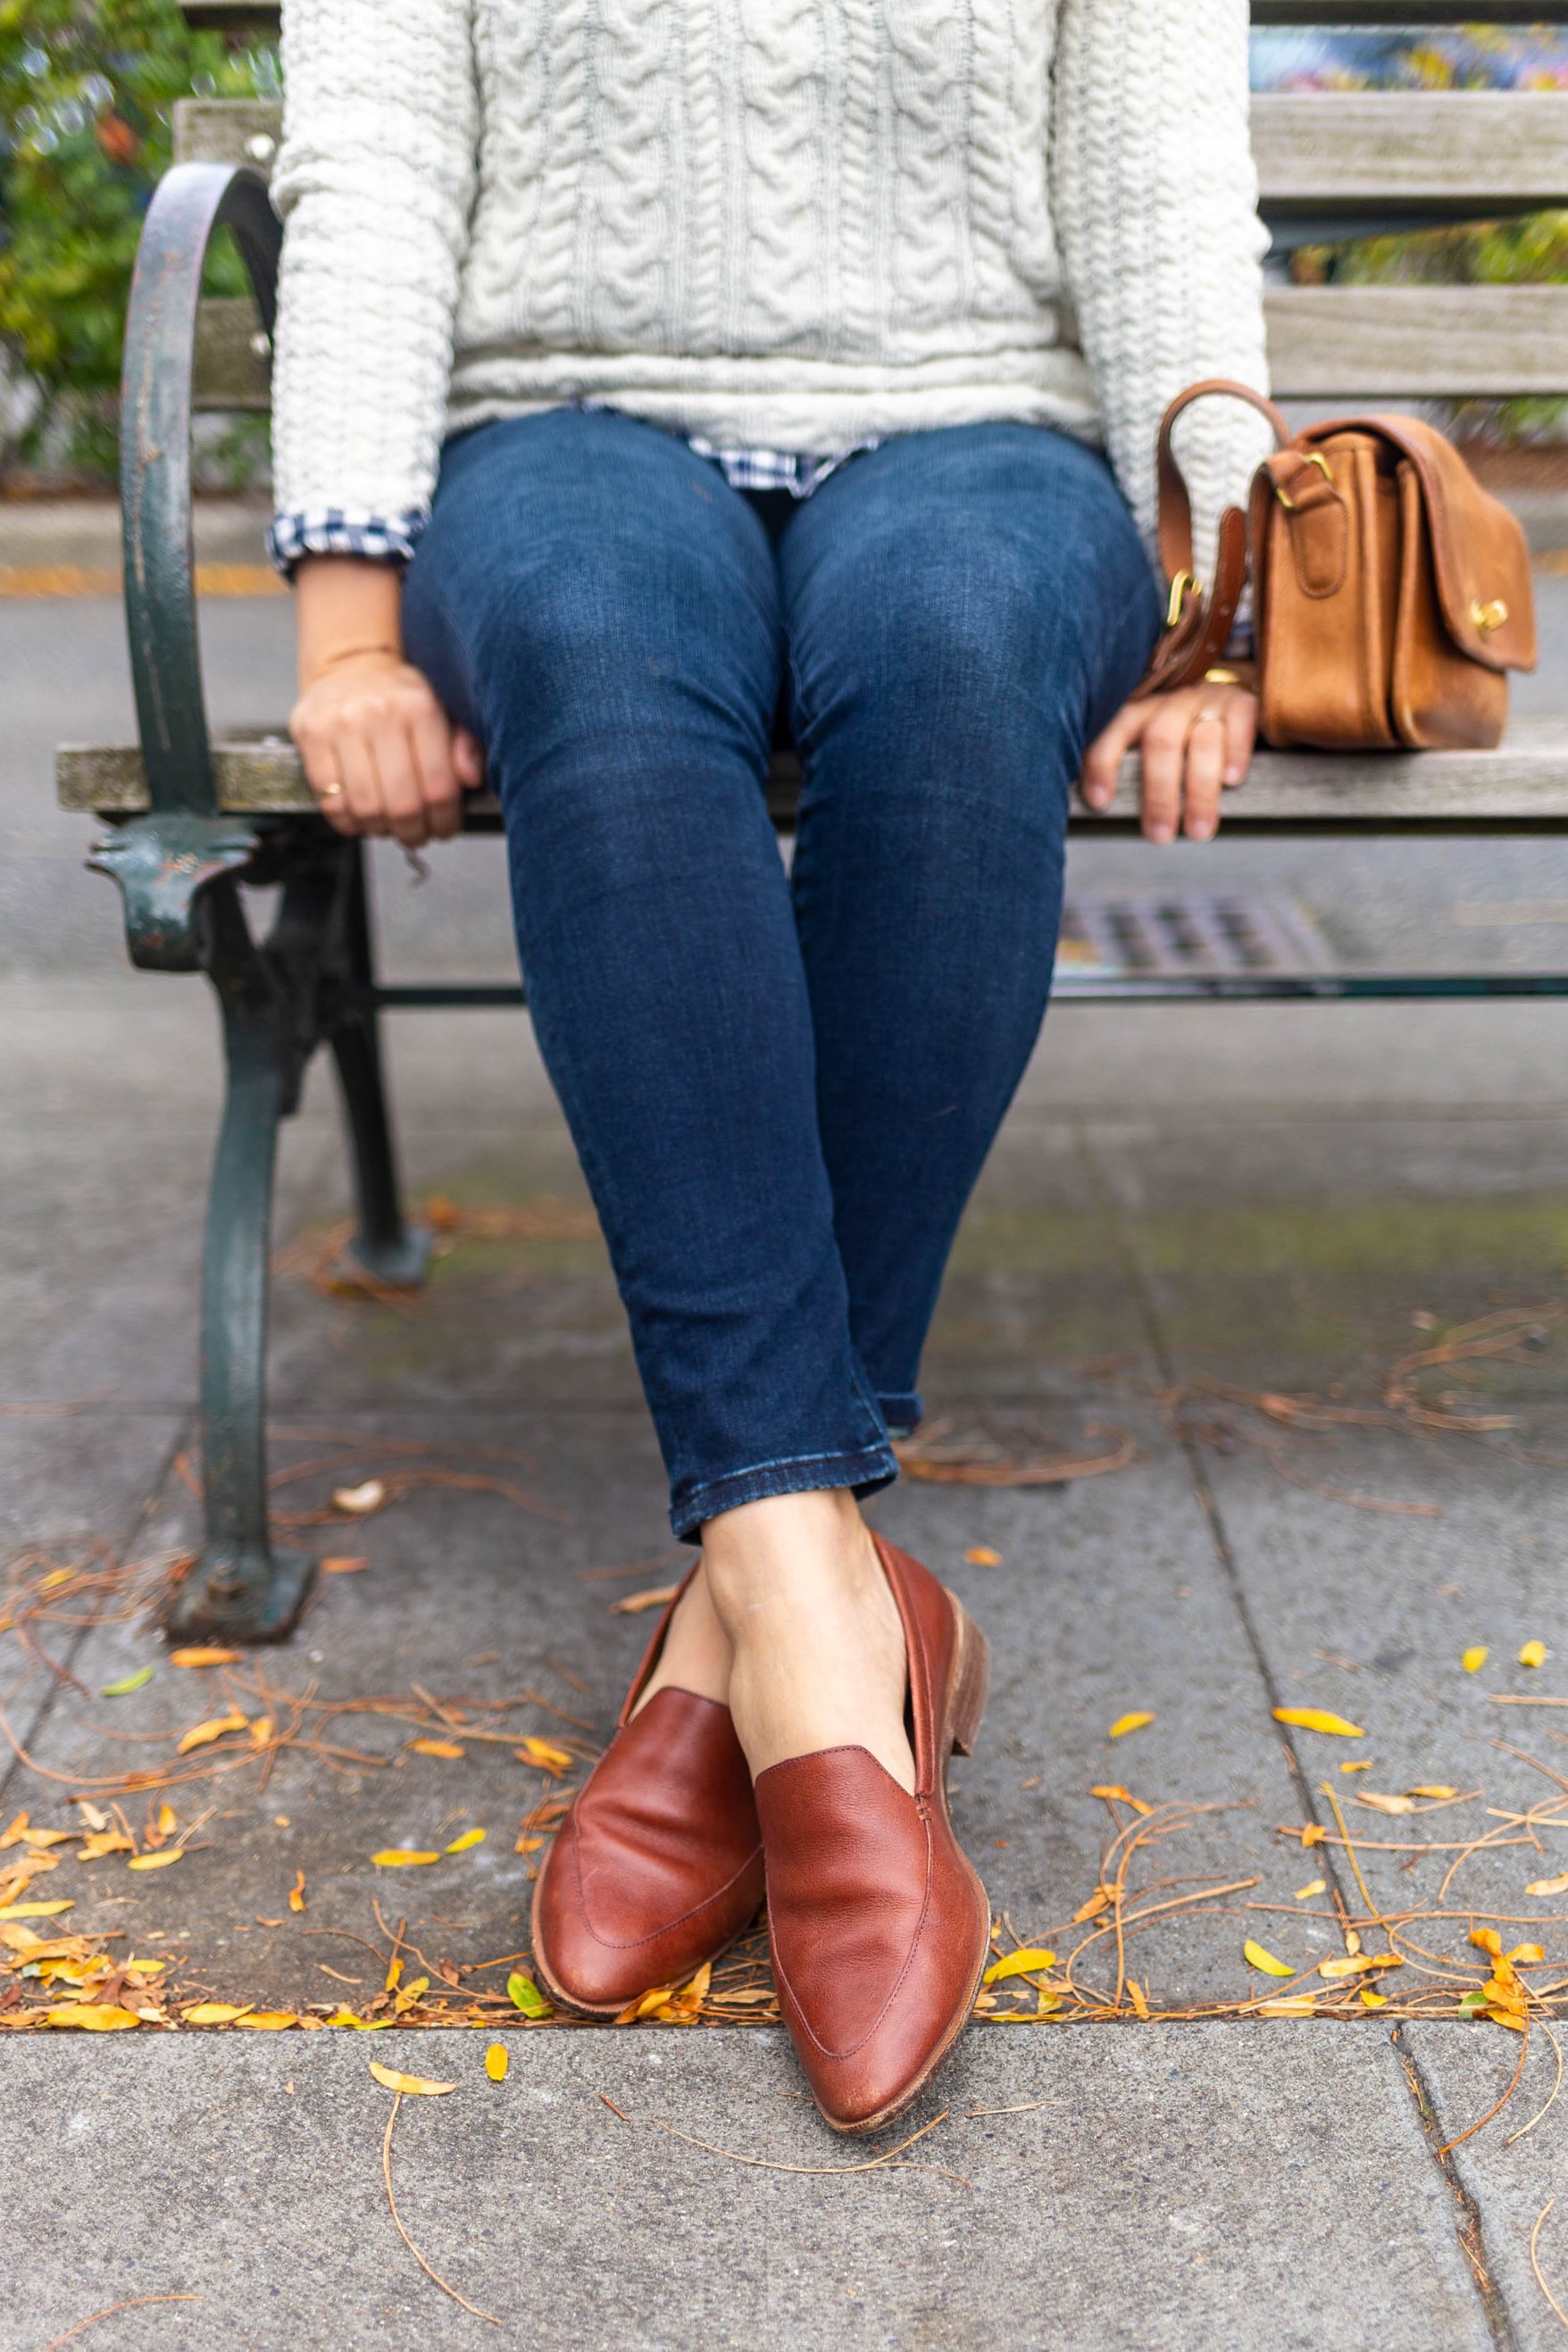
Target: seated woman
645	372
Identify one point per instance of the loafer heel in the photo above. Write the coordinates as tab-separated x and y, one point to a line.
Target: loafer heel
972	1682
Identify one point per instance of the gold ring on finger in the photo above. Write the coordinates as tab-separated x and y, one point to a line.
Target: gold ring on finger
1200	716
328	791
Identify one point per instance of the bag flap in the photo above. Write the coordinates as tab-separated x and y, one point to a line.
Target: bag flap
1479	554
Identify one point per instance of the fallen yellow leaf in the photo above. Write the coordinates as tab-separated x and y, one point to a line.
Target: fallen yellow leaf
1549	1886
469	1838
498	2058
1358	1764
1357	1964
33	1910
156	1861
448	1747
1295	2005
203	1657
1092	1908
102	1842
541	1752
1126	1723
1515	2024
1474	1659
1534	1654
13	1835
1258	1958
92	2017
1527	1956
1314	1834
982	1555
1115	1794
214	2012
343	1567
359	2024
1370	2000
43	1838
297	1892
527	1844
1138	1998
398	1858
1437	1788
268	2020
201	1734
417	2086
1313	1886
261	1729
1317	1719
1019	1964
1382	1804
358	1501
650	2001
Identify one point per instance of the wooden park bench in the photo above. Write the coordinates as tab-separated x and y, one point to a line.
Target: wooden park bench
190	819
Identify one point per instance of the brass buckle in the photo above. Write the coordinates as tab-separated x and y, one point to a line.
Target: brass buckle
1488	617
1315	459
1184	585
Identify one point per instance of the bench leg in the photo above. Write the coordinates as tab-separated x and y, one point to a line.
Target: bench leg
385	1246
241	1590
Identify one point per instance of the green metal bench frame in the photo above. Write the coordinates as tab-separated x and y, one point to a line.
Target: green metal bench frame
192	822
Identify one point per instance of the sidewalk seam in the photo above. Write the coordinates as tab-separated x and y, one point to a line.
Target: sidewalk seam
1471	2237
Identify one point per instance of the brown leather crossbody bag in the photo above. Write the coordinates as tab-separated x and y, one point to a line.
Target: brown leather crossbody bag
1391	593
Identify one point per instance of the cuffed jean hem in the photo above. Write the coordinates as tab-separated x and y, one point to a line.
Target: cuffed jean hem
872	1467
903	1412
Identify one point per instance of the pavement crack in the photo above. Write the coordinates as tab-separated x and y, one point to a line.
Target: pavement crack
136	1524
1131	1268
1469	2228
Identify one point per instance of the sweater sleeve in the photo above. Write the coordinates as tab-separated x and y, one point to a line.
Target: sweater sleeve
374	182
1154	196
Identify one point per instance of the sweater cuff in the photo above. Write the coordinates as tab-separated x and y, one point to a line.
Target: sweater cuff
336	531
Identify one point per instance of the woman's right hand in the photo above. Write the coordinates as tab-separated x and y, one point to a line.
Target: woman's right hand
380	754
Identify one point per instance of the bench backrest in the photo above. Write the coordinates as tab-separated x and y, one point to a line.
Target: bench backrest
1330	162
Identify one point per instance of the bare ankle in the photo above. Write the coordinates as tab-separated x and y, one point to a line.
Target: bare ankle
818	1644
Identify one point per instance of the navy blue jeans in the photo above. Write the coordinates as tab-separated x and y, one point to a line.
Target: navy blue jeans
781	1085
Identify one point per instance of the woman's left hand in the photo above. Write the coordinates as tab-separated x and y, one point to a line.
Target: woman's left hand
1196	741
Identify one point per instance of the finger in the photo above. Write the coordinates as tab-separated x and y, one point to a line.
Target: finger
324	778
1102	761
362	785
1240	737
430	747
402	800
1164	745
1204	766
469	758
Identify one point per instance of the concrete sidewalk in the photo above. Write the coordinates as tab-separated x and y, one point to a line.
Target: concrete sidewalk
1189	1209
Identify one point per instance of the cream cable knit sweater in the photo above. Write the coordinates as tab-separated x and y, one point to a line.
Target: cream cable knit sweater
789	222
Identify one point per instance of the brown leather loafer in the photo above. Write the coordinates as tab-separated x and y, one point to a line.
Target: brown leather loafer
659	1864
878	1923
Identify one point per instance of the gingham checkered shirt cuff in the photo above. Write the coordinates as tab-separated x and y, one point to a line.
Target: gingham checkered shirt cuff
333	530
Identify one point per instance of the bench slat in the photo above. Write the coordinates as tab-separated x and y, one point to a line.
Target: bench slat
262	16
1322	151
1353	343
1526	782
1417	343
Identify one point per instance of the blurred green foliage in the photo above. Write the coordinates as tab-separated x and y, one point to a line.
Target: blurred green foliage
86	89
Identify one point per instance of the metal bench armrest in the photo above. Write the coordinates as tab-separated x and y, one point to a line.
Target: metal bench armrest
193	202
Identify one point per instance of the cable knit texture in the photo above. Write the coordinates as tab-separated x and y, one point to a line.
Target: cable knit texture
802	224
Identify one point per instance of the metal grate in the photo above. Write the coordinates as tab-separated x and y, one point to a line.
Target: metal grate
1171	935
